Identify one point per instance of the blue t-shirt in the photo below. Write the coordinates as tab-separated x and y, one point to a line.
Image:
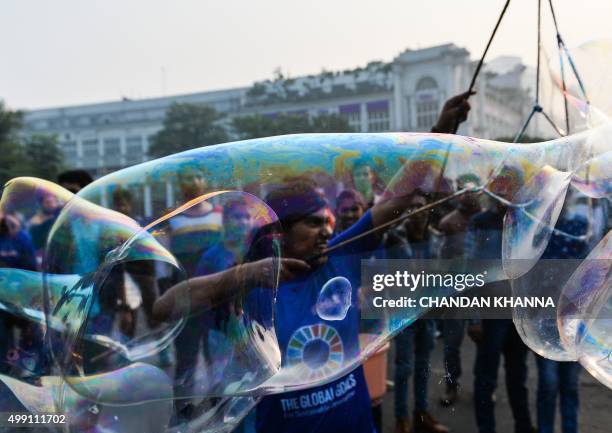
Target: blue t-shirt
216	259
318	346
17	251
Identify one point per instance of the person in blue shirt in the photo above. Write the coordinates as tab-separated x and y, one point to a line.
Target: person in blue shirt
17	252
307	227
308	343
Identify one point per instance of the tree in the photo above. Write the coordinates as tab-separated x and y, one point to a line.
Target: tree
43	156
187	126
12	158
257	126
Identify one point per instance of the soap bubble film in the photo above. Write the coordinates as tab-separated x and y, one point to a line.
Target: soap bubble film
528	222
334	299
583	311
311	354
221	291
239	348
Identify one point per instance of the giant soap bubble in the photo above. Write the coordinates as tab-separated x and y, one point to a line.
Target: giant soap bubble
592	60
528	223
240	350
583	310
567	244
137	383
406	162
187	266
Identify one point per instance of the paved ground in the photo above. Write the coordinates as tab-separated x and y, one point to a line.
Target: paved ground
595	399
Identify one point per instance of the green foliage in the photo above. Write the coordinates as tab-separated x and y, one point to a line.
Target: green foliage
187	126
44	156
330	123
12	159
37	156
261	126
524	139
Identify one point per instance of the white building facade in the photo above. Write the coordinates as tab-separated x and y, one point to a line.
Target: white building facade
406	94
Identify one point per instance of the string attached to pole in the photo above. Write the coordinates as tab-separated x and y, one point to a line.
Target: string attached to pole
484	54
394	221
468	93
537	108
439	180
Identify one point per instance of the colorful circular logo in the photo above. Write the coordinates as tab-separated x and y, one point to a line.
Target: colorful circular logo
316	350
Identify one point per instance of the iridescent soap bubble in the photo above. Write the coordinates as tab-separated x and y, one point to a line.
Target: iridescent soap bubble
32	204
594	65
334	299
586	294
528	222
86	243
585	312
243	349
568	244
139	382
218	415
403	162
594	178
595	347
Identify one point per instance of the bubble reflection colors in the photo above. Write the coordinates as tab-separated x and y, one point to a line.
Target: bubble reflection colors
403	163
137	383
538	327
334	299
96	243
584	301
594	178
529	221
594	62
210	234
594	349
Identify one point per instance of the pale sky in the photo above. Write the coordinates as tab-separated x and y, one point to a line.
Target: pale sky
67	52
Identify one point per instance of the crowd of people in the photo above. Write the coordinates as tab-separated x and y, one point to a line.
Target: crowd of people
22	244
316	234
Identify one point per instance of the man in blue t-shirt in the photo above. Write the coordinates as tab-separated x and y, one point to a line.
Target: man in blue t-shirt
311	346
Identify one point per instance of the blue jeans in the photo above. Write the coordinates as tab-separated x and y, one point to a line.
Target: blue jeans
557	378
500	336
453	332
413	348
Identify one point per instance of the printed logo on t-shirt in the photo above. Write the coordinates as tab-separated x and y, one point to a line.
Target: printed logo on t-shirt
316	350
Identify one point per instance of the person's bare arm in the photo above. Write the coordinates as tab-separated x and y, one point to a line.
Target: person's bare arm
208	291
454	112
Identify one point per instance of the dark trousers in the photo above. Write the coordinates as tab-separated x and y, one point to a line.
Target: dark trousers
413	348
188	349
453	330
500	337
6	341
557	379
